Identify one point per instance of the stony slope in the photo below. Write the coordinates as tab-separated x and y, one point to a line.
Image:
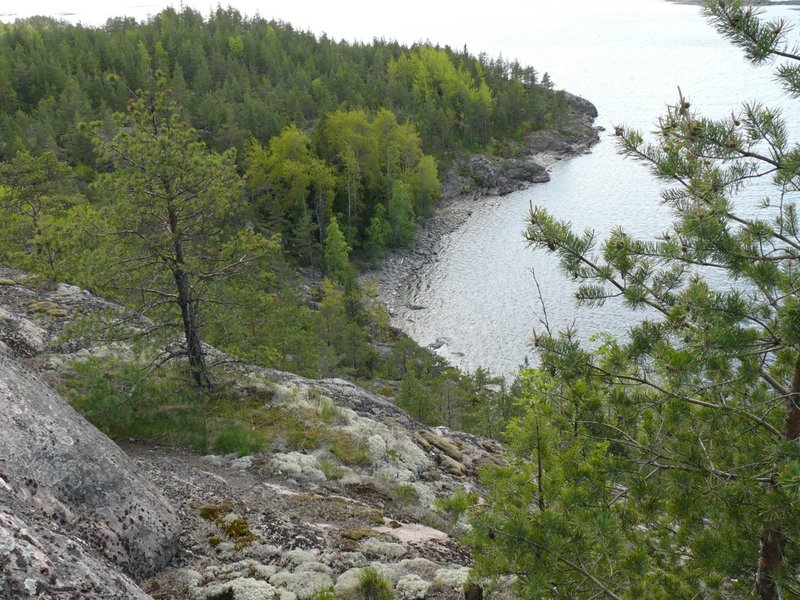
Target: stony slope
282	524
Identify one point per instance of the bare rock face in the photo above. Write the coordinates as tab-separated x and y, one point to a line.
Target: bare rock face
74	485
38	562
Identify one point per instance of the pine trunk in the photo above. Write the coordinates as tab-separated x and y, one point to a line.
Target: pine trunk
191	330
770	558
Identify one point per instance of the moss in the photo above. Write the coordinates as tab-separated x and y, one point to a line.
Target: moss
214	540
348	449
337	509
245	541
42	306
214	512
237	528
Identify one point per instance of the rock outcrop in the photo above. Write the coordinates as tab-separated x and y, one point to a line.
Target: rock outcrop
522	165
81	518
77	520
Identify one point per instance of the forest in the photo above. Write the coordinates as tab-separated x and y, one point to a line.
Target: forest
228	178
285	164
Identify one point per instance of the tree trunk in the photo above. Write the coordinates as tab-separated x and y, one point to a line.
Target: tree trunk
792	429
770	559
191	330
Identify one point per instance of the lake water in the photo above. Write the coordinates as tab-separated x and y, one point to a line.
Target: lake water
627	56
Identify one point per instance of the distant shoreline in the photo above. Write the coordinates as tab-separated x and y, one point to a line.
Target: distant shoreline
400	271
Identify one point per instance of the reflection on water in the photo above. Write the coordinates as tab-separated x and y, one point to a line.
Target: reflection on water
480	297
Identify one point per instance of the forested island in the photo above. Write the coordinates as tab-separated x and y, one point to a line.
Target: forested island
188	207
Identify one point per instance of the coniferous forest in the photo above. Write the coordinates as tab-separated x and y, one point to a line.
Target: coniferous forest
226	180
281	155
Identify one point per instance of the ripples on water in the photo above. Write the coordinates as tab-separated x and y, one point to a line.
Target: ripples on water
481	297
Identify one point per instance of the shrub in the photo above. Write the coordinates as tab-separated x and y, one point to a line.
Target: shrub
373	585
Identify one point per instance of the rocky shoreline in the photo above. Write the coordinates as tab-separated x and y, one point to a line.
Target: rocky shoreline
480	178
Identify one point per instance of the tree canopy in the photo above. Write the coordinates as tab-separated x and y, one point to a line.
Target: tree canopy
667	464
239	77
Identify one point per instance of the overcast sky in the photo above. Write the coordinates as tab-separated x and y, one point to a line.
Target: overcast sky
409	21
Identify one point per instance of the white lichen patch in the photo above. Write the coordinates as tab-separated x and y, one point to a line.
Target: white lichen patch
451	578
385	551
348	584
303	584
245	588
295	558
296	464
411	587
421	567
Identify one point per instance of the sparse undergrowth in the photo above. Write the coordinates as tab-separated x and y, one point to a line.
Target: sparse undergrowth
126	403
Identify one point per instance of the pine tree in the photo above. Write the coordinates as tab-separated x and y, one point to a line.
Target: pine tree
169	198
336	254
667	464
34	203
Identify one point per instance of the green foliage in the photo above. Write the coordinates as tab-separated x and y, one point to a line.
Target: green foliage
126	402
406	494
381	170
324	594
345	345
238	439
373	585
664	465
54	75
336	256
330	469
290	185
44	220
400	215
451	102
378	233
436	393
172	203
